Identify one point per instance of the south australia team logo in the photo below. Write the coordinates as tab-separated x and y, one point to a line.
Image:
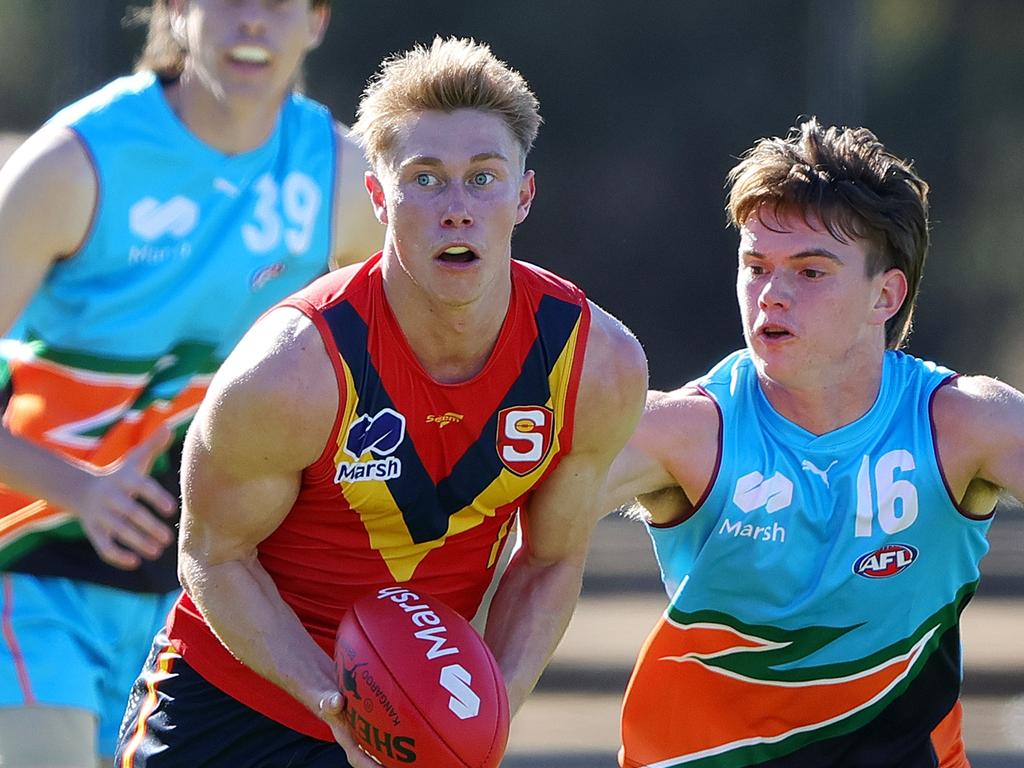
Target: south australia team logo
379	435
524	437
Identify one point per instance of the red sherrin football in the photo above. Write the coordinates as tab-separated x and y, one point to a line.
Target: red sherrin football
421	686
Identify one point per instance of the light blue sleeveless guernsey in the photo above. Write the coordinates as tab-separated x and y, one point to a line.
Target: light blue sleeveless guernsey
188	246
817	586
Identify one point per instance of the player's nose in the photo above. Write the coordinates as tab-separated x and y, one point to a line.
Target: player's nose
456	212
776	292
252	17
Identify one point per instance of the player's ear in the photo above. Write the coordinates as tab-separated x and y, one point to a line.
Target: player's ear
527	191
892	292
375	189
319	18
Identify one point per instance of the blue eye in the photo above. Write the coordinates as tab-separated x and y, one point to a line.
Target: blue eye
426	179
483	178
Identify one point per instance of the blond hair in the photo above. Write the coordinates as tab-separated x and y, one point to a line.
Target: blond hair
453	73
847	180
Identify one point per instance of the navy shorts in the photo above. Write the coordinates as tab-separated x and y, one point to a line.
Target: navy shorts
177	719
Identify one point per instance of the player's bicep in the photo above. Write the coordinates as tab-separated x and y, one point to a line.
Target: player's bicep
47	199
265	418
610	401
637	470
1000	429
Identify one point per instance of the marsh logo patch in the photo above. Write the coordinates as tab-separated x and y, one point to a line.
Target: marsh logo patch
379	435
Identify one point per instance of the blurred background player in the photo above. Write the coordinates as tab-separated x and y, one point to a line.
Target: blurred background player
142	230
318	470
835	492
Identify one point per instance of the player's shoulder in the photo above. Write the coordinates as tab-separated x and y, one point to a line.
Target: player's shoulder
52	151
614	355
682	416
614	379
49	190
281	361
981	405
615	339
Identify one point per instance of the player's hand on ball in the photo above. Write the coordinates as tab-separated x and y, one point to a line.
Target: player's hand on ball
332	712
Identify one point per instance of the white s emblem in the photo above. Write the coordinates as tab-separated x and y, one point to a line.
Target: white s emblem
150	219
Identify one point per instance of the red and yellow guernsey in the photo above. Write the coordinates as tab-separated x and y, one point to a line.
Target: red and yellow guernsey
420	481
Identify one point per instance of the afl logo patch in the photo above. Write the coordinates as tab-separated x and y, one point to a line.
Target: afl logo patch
885	561
524	437
264	275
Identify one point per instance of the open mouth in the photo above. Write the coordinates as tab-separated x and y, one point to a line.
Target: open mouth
457	254
775	332
249	54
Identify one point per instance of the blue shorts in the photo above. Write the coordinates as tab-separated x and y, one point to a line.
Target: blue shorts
175	718
73	644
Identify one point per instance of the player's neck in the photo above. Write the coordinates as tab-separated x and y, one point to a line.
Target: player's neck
232	126
831	399
451	343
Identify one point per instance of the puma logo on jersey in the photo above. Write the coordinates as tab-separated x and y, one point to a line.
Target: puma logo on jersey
808	466
753	491
380	435
226	187
150	219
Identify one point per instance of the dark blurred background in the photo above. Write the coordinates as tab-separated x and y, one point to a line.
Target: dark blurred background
647	104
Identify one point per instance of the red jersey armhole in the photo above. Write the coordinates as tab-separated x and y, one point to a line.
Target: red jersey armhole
306	307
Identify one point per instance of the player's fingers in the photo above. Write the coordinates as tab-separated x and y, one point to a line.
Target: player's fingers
332	711
117	556
144	454
134	526
153	496
132	538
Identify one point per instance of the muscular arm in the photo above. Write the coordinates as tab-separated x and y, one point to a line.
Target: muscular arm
979	425
241	470
538	592
267	415
356	233
47	194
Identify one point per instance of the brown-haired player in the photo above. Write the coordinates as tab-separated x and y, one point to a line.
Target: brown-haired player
818	501
142	230
317	469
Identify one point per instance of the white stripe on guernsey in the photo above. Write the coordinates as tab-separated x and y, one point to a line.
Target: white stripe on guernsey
915	651
37	526
69	434
15	350
763	645
134	380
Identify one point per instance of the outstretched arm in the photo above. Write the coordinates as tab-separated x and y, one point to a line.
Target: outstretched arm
669	461
537	594
47	194
244	456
